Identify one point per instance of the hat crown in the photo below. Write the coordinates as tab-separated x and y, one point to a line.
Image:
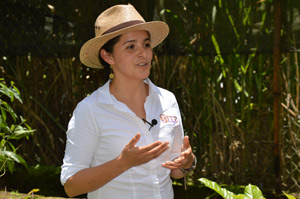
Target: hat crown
116	16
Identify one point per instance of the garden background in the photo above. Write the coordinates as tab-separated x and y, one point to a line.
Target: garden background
232	64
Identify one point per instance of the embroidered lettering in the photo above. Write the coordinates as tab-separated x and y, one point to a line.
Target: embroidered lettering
168	119
163	118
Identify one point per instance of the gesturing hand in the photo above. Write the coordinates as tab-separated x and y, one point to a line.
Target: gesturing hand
134	156
186	158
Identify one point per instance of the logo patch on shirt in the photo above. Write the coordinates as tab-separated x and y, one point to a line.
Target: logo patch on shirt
168	119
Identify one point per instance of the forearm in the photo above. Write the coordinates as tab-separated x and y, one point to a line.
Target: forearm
176	173
90	179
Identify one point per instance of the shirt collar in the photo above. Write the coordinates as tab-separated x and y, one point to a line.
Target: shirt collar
106	97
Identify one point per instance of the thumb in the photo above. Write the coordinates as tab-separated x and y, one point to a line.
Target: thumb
134	140
186	143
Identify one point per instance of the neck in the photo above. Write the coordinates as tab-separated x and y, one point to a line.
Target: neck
129	90
131	93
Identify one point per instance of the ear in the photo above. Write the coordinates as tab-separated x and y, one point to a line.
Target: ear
106	57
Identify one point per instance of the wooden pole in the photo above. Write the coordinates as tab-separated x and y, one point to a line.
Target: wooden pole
277	93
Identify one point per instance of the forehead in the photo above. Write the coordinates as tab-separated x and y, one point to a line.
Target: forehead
135	35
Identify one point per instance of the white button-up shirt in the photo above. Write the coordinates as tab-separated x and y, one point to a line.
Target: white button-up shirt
100	128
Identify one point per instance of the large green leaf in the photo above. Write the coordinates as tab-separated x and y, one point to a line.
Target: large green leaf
253	192
221	191
250	192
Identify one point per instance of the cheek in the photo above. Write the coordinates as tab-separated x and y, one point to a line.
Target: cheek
150	54
121	59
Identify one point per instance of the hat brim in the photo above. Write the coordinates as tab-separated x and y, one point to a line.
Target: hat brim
89	52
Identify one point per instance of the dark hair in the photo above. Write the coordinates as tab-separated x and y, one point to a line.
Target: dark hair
108	47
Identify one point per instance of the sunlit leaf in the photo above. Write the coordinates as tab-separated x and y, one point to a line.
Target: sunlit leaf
214	186
20	133
289	196
16	93
11	155
214	13
217	48
9	110
253	192
237	85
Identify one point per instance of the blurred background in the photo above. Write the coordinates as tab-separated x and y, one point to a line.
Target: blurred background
232	64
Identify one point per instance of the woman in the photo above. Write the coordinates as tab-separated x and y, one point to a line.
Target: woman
126	139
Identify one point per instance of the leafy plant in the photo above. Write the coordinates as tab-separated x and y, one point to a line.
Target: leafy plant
250	192
289	196
12	127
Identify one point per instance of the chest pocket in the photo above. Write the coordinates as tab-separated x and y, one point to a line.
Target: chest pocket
166	133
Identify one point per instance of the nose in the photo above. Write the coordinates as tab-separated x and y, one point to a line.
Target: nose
142	52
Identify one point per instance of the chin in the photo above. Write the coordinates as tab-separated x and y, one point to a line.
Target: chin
145	75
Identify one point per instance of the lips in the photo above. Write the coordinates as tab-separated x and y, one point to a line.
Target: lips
142	64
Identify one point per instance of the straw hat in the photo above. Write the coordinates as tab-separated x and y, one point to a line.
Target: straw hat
115	21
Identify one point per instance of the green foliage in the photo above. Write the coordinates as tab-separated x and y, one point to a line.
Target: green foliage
225	86
250	192
12	127
289	196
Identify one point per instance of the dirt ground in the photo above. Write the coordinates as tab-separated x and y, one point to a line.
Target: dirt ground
15	195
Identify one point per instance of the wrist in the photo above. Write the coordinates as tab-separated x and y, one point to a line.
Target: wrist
123	164
191	168
190	163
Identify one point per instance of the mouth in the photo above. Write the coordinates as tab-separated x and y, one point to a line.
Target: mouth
143	64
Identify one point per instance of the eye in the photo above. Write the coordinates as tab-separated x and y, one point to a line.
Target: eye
147	45
130	47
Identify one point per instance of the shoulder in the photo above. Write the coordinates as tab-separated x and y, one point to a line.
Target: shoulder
89	101
166	93
101	95
162	92
92	97
167	97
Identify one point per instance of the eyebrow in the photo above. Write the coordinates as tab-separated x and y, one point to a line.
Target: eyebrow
131	41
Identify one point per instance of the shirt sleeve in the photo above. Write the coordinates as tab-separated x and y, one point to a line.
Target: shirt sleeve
82	141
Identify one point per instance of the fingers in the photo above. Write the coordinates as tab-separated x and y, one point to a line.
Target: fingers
157	150
186	149
134	140
186	143
179	162
153	150
152	146
184	159
171	165
134	155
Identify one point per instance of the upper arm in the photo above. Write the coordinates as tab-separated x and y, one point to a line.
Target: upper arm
82	141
